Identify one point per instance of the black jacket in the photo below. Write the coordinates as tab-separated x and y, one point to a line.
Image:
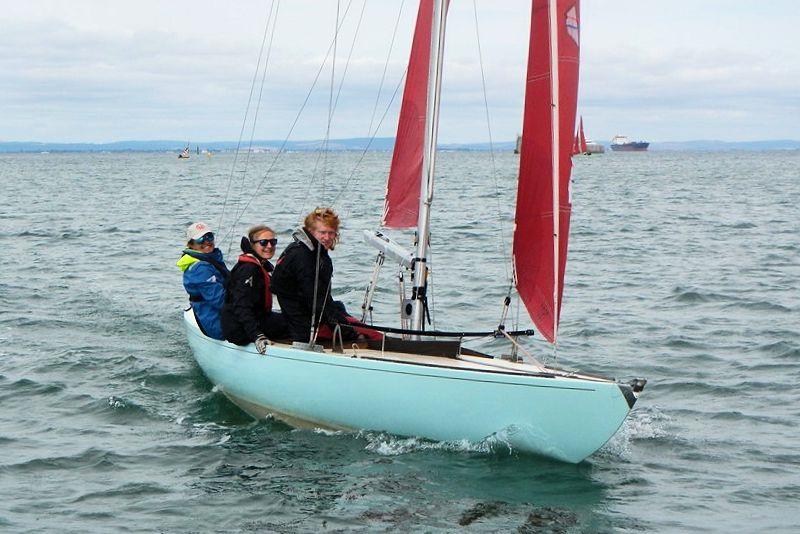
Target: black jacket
294	277
246	301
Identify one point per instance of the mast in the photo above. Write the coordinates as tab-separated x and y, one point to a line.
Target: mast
428	163
554	140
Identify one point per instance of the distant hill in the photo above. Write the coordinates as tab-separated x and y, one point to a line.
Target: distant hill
356	143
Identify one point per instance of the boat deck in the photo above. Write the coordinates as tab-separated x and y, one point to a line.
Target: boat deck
470	362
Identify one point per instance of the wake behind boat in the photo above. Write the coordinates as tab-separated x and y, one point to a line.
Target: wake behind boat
415	384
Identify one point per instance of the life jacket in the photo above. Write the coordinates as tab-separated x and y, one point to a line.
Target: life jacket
247	258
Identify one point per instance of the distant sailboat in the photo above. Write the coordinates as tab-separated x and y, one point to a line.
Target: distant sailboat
579	146
584	147
423	384
184	153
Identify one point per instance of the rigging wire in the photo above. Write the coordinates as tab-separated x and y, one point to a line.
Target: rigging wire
432	307
244	120
501	226
372	134
330	98
371	139
258	103
385	67
335	106
491	143
285	141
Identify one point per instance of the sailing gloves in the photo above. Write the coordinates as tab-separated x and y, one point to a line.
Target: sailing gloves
262	343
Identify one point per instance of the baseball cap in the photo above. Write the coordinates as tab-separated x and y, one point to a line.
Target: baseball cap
197	230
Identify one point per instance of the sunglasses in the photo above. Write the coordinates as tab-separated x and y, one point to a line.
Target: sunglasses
265	242
207	237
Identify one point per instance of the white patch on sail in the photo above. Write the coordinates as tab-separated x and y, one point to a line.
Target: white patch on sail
572	25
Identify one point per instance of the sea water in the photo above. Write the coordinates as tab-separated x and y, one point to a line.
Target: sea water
683	268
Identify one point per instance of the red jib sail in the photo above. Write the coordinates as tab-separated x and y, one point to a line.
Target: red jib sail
401	206
543	196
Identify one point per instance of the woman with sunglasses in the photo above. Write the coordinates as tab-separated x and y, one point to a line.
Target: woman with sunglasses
247	315
204	277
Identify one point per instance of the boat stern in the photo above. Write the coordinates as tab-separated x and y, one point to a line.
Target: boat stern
632	389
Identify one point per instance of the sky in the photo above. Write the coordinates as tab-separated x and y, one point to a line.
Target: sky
104	71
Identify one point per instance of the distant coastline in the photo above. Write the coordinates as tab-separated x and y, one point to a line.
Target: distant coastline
359	144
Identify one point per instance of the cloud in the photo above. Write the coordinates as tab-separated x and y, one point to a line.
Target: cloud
90	72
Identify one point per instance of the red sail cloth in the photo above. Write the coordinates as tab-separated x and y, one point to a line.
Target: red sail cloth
534	230
576	144
401	206
581	138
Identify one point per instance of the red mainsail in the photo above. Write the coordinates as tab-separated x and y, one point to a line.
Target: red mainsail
540	237
581	138
401	206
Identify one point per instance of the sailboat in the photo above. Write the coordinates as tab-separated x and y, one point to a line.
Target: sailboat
582	146
184	153
421	382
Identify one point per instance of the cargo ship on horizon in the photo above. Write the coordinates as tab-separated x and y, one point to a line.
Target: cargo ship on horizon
620	143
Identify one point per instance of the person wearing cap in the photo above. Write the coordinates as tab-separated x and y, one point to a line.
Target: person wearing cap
204	278
247	315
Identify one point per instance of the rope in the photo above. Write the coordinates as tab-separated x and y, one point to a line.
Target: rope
314	329
438	333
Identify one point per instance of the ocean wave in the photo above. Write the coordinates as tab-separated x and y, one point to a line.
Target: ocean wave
91	458
26	387
758	305
127	490
696	296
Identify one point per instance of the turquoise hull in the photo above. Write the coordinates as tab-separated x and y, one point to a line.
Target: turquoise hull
559	417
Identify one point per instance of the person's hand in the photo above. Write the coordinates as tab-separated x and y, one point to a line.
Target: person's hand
262	343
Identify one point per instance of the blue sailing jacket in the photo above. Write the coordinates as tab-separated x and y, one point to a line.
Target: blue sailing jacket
204	277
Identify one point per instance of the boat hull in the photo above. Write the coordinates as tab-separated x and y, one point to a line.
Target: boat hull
630	147
565	419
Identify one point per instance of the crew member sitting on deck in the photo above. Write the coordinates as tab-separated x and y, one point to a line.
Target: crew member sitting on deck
303	272
204	276
247	315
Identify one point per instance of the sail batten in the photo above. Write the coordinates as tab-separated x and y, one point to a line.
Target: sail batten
543	197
